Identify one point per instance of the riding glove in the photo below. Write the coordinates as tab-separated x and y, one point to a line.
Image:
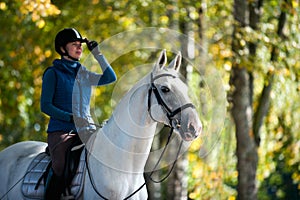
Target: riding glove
93	47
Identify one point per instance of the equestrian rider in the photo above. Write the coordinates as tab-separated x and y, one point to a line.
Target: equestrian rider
65	97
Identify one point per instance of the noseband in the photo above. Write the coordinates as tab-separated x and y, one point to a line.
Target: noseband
170	113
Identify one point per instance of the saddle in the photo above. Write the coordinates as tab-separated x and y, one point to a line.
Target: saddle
33	186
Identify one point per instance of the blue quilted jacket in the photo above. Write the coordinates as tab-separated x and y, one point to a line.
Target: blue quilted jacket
66	93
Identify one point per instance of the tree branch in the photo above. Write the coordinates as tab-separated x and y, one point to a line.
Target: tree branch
264	99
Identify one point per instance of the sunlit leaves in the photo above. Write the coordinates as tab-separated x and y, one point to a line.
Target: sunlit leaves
3	6
27	49
164	20
38	10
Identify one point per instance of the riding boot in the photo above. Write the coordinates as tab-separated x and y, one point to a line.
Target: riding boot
54	187
47	180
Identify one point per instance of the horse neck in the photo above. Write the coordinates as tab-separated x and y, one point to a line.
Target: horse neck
128	135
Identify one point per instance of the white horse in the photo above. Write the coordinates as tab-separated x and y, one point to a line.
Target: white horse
119	150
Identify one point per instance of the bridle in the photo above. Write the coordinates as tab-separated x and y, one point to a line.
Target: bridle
162	103
170	116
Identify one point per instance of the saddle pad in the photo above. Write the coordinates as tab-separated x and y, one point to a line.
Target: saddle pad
37	169
34	172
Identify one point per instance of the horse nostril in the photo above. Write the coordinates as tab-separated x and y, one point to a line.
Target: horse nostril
192	128
195	131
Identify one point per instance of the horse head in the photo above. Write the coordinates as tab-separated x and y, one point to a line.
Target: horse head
169	102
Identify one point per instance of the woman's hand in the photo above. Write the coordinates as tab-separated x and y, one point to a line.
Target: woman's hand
93	46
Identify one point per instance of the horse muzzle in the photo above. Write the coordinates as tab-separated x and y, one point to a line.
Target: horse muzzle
188	130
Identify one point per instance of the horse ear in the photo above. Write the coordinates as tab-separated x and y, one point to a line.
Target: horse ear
162	60
175	64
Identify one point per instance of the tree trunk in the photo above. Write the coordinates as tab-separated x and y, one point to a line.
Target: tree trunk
264	99
247	124
241	81
254	17
246	146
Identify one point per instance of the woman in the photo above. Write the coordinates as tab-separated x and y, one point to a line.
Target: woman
66	92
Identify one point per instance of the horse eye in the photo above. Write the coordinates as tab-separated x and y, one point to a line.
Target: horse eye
164	89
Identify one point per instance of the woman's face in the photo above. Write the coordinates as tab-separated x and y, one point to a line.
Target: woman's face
74	49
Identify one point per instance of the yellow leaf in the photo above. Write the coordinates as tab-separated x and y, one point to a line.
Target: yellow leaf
195	146
37	50
35	17
227	65
30	5
231	198
295	3
192	195
164	19
242	42
192	157
95	2
48	53
3	6
41	23
196	173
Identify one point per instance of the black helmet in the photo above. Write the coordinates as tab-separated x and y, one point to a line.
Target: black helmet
64	37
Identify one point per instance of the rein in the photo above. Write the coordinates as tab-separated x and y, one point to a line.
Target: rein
150	176
170	115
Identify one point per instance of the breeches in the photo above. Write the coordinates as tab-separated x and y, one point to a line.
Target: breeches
59	143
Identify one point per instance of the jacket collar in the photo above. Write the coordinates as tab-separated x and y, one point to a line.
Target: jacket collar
66	65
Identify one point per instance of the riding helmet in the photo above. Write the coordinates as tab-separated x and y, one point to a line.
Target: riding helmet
64	37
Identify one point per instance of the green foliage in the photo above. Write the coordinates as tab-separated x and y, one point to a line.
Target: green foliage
284	179
27	49
280	174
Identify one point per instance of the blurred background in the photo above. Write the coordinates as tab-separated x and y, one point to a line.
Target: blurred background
241	61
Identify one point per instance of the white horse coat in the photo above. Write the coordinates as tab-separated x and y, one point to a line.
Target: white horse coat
118	152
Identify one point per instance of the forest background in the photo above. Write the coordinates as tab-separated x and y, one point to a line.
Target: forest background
250	147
